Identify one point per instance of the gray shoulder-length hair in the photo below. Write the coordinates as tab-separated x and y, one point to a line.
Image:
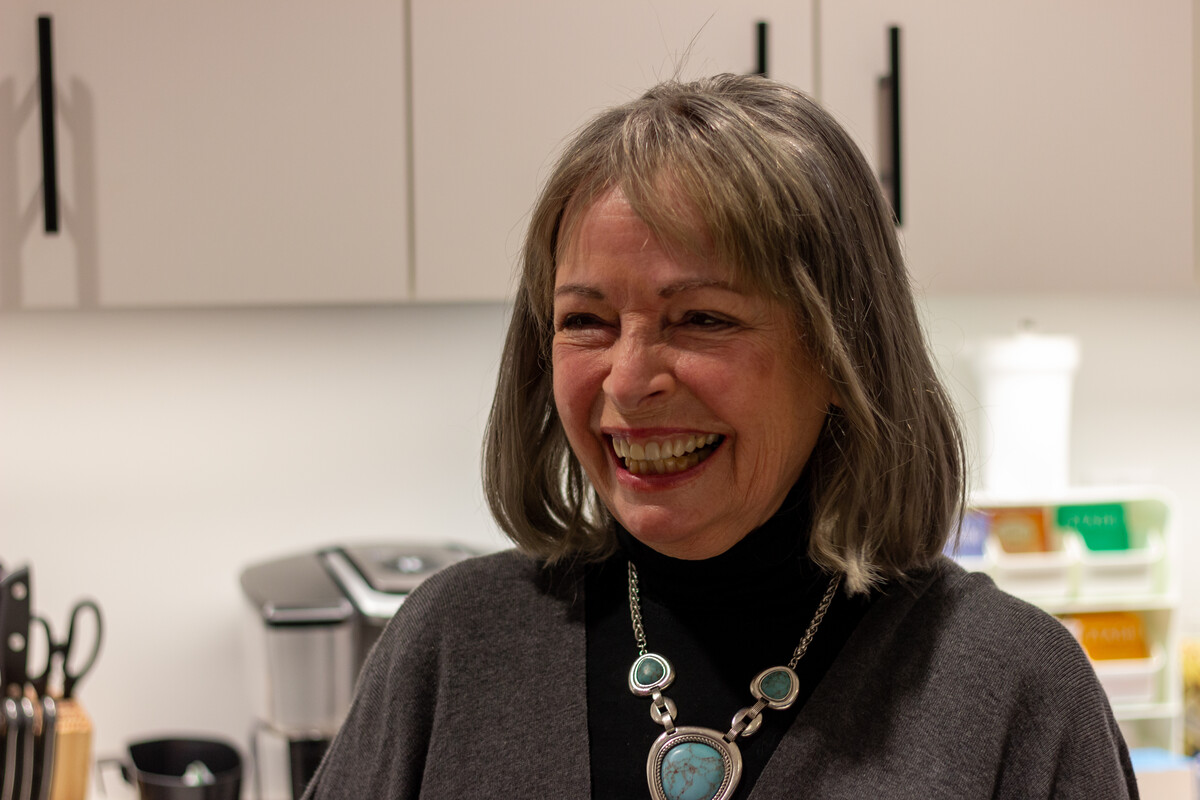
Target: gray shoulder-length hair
784	196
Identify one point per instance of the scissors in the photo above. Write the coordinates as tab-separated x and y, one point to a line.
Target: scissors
63	649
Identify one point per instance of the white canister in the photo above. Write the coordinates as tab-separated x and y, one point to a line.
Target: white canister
1025	384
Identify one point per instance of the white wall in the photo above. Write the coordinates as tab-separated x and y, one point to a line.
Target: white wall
145	457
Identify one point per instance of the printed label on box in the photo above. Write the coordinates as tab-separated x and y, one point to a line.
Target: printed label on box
1109	635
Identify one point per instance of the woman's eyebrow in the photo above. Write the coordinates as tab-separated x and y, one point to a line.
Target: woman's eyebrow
691	285
581	289
670	290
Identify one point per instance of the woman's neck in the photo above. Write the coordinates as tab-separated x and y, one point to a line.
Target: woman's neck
766	560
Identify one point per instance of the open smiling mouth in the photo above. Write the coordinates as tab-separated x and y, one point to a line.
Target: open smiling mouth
666	457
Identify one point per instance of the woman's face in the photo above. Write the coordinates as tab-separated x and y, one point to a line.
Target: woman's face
690	401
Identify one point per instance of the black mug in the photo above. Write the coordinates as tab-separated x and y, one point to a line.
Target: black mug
182	769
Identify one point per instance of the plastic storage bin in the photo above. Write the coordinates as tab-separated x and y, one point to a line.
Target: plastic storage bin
1107	573
1121	549
1132	680
1163	775
1036	576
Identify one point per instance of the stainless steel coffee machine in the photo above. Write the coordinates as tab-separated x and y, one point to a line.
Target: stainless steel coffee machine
312	620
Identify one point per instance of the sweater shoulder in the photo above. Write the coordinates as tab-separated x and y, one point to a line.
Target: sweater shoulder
974	603
495	589
979	623
500	571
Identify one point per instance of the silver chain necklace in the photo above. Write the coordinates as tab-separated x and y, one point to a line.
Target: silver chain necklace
693	763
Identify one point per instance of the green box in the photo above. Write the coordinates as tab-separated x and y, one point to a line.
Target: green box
1102	525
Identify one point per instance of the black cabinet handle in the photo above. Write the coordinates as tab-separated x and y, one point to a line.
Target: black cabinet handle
762	49
49	149
892	173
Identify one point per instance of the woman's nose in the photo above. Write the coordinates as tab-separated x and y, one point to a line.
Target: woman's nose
640	372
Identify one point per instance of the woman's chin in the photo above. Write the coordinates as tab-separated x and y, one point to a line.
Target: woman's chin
664	534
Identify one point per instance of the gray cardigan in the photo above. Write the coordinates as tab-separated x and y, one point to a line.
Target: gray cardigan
948	688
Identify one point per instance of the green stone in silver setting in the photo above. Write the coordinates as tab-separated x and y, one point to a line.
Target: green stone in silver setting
650	673
776	684
778	687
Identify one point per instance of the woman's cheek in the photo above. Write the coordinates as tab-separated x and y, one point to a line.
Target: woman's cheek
572	393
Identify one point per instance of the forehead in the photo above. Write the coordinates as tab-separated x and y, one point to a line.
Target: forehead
609	238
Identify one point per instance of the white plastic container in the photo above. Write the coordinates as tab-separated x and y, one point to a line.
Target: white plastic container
1025	388
1109	573
1035	576
1164	775
1132	680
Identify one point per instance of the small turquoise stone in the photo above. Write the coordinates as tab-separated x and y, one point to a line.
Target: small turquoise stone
650	671
692	771
776	685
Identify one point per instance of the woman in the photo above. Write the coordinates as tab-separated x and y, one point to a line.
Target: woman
717	419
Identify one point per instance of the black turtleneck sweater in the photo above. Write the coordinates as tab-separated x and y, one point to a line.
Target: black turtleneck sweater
719	622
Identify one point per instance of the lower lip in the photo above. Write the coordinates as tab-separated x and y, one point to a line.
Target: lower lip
654	481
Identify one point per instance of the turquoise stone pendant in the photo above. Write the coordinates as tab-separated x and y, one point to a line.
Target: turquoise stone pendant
693	764
778	687
650	673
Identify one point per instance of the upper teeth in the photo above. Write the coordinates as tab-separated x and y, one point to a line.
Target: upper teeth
652	451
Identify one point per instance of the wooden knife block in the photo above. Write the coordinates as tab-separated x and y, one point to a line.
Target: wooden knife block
72	752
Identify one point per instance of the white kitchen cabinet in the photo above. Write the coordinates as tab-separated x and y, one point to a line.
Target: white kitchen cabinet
1046	146
259	153
498	87
214	153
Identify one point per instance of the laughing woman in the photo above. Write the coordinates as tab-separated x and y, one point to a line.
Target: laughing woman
721	448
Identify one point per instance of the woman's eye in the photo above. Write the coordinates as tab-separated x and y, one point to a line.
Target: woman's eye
577	321
702	319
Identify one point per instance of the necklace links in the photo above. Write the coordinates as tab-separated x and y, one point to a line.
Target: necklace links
684	759
663	711
747	721
635	611
802	648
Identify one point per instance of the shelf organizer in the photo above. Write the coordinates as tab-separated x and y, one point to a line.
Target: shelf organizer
1069	577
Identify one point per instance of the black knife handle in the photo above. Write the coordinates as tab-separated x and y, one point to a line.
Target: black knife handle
15	599
42	778
25	789
49	146
14	727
